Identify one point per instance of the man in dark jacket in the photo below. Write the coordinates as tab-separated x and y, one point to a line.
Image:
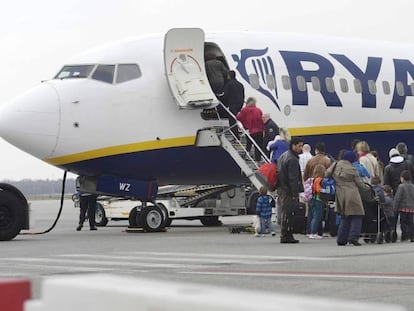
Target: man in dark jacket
289	186
233	98
216	73
392	177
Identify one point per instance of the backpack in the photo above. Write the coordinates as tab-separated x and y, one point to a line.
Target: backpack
267	175
307	193
328	187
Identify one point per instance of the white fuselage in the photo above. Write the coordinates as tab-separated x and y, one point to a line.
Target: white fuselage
135	128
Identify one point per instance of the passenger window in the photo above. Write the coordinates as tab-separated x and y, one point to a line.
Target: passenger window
300	80
330	86
254	81
316	84
400	88
75	71
104	73
372	87
127	72
286	82
386	87
344	85
357	86
270	82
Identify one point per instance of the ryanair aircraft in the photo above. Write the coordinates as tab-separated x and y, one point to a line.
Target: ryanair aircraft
138	113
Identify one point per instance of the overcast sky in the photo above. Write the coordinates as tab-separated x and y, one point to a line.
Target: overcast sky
37	37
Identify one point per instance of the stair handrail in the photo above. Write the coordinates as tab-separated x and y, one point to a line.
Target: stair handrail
244	132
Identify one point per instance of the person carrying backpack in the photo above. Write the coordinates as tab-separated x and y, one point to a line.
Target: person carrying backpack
316	204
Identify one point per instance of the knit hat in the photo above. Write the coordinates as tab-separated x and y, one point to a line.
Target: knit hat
393	152
349	156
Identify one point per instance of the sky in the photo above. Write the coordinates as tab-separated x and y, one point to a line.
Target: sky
37	37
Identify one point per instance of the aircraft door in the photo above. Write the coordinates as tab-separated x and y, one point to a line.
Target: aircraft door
185	69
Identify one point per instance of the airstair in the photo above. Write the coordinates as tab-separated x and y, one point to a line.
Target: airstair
224	137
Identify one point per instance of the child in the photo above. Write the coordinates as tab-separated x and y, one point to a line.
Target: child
264	212
315	204
404	204
389	214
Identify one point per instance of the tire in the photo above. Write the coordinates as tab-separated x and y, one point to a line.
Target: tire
210	221
152	218
12	211
167	220
100	216
134	217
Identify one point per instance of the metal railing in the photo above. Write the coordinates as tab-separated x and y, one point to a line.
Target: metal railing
244	132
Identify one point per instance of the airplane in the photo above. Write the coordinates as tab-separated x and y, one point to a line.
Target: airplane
138	113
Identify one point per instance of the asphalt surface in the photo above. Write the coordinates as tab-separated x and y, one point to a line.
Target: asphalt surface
190	252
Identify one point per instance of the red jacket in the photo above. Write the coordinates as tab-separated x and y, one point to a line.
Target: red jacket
251	118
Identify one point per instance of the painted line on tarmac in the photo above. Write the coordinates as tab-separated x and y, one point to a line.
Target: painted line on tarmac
238	256
302	274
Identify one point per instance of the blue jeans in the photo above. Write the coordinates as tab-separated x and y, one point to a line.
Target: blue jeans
316	211
349	228
266	222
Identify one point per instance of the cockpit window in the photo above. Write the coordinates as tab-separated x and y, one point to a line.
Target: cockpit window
104	73
74	71
127	72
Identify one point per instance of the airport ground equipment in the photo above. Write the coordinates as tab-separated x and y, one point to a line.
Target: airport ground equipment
206	203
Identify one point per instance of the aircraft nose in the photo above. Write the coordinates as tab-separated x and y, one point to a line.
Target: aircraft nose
31	121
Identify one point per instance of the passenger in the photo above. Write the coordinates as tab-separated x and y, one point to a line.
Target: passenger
216	73
233	98
392	177
319	158
388	207
315	204
348	201
380	165
264	212
251	118
87	204
404	204
304	157
279	145
354	143
270	131
367	159
403	150
289	186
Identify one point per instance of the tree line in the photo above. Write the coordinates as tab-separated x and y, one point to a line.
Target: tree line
40	187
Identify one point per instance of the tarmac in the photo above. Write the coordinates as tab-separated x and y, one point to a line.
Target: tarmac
190	252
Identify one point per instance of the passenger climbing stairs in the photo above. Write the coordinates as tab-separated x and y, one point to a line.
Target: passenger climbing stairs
224	137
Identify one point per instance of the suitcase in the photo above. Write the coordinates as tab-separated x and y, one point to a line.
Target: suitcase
296	217
331	220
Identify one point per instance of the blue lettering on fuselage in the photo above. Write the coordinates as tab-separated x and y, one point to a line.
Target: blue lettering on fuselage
371	73
309	65
294	63
402	68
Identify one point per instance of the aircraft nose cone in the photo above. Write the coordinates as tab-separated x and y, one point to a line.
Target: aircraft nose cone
31	121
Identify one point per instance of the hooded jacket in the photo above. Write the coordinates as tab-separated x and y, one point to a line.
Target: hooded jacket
392	171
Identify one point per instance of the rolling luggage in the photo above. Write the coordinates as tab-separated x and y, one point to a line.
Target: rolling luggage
296	217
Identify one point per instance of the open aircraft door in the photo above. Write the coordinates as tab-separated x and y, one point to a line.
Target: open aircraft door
185	69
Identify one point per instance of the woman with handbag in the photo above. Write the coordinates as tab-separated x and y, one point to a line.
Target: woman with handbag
348	201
